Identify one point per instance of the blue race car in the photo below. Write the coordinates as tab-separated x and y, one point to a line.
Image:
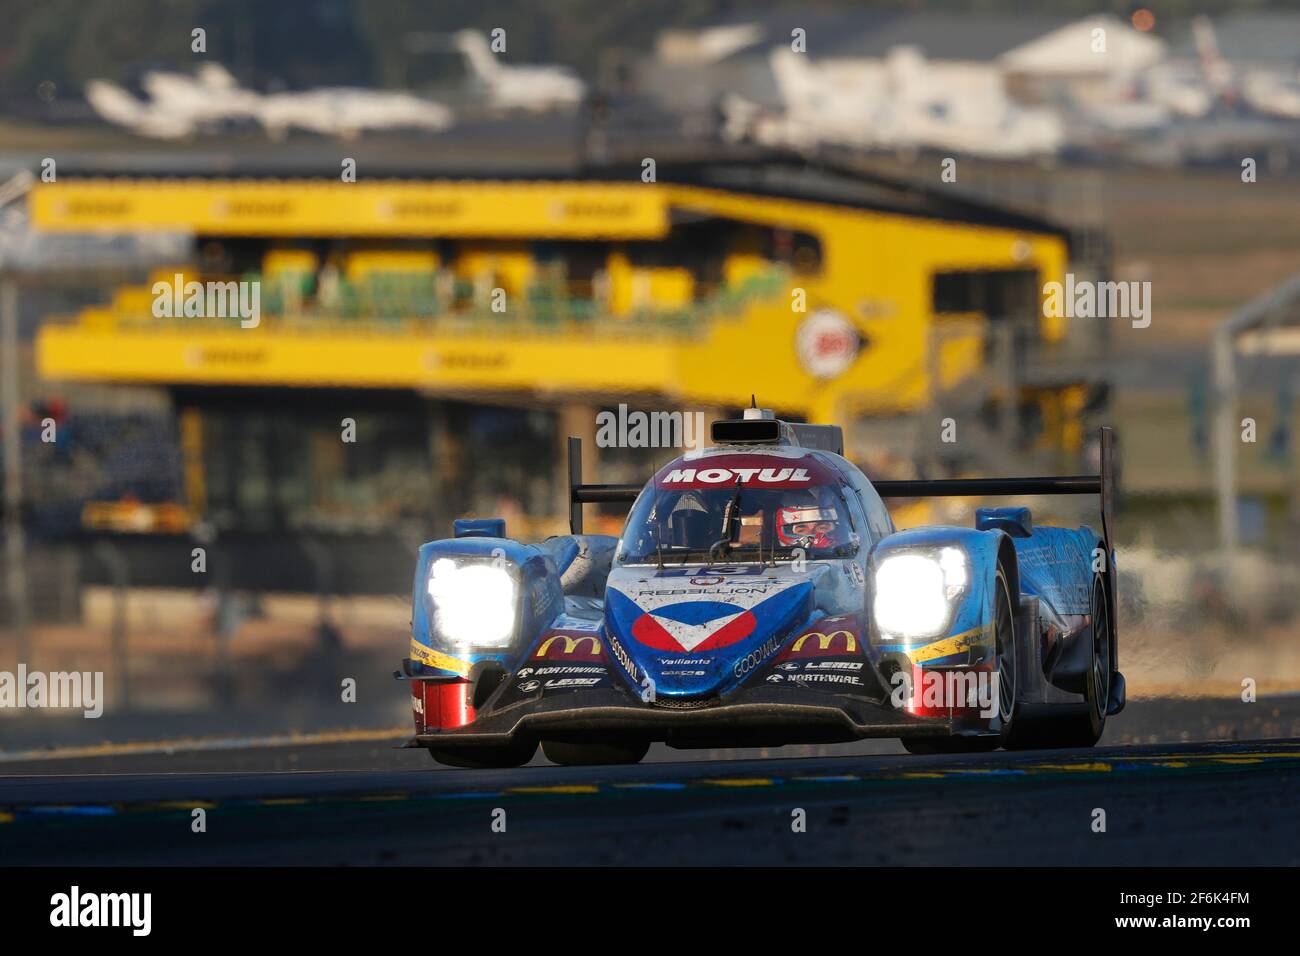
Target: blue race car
760	596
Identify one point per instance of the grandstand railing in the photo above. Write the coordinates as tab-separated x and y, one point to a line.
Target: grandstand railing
441	302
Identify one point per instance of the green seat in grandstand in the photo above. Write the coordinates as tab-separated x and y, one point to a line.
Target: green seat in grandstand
582	310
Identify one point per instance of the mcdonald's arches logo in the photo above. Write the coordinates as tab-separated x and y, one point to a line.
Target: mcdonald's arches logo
579	647
817	643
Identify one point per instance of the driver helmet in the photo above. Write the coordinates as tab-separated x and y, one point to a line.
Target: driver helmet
804	522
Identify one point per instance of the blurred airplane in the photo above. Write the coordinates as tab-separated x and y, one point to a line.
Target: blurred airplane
1216	70
1272	93
509	87
839	103
122	109
1099	91
345	112
211	95
178	104
1181	88
900	102
1118	111
1265	90
181	105
964	107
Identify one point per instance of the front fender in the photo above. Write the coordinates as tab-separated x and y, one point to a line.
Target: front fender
968	637
539	598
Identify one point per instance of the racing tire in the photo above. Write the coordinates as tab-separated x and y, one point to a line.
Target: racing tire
1007	656
1085	728
486	758
588	755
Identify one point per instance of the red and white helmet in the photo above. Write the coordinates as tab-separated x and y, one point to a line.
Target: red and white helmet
810	525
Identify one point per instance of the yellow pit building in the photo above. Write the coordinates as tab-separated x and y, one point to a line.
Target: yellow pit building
465	326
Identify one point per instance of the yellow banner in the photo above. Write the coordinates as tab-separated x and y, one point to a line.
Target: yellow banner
265	357
499	210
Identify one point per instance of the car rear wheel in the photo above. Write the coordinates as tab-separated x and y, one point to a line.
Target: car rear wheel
586	755
1008	650
1082	728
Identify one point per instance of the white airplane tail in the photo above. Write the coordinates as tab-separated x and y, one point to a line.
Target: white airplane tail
482	61
1218	73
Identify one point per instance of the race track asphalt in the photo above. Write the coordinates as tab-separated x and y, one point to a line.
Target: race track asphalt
359	801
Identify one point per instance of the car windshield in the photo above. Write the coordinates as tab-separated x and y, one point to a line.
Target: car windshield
723	522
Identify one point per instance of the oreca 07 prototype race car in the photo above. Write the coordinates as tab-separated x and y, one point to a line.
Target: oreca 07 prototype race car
760	596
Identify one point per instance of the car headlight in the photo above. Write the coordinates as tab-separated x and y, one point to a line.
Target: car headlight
914	592
473	604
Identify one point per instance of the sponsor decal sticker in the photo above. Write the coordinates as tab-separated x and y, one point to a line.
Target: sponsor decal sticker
622	656
820	678
427	655
824	641
577	646
750	569
734	590
694	625
569	682
558	669
693	477
756	657
834	636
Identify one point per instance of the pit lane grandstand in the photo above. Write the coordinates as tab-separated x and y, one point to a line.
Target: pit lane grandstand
468	323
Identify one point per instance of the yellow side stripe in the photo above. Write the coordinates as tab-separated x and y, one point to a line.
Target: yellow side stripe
950	645
427	655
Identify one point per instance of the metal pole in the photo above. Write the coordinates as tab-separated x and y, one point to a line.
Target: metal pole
1225	445
930	442
1009	415
10	397
575	479
1293	470
114	560
1258	312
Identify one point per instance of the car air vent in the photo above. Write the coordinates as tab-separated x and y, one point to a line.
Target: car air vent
759	431
698	703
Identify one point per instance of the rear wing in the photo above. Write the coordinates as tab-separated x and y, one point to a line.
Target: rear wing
580	494
1102	484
